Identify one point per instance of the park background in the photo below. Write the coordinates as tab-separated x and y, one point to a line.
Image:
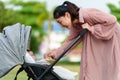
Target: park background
46	33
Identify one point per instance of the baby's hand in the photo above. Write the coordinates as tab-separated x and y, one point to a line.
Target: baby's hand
50	54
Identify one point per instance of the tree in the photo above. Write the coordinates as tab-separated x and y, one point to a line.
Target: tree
31	13
7	16
114	10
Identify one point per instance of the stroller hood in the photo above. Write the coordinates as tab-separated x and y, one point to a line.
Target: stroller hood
14	41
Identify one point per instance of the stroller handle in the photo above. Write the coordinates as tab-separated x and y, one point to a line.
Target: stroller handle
82	33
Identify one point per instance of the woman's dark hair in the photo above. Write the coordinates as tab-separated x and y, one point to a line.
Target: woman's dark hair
66	7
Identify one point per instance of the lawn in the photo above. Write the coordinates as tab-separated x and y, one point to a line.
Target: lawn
22	76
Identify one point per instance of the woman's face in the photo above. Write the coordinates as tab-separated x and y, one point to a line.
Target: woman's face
65	21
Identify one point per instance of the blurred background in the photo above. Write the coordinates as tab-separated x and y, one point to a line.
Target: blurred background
46	33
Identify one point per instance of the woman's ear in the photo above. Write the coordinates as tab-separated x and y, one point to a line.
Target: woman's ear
67	14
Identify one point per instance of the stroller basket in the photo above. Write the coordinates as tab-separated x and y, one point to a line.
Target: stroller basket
34	70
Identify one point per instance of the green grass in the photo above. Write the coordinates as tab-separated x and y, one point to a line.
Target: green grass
71	66
22	76
12	73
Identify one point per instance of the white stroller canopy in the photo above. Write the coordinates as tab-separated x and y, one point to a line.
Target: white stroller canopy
14	41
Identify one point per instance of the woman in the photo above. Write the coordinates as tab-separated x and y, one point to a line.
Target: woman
100	50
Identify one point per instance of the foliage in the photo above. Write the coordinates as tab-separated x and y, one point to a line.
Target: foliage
31	13
114	10
7	16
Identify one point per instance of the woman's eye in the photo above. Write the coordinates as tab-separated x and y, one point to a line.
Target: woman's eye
60	22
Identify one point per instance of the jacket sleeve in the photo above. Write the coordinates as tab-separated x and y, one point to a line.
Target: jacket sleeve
72	35
103	24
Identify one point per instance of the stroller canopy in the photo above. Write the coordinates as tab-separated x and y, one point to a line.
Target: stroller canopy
14	41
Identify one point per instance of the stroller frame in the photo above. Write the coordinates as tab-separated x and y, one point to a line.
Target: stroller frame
48	69
63	53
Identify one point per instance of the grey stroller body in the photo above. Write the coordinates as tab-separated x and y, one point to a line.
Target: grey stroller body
14	41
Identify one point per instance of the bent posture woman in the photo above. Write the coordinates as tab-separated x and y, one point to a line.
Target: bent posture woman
101	45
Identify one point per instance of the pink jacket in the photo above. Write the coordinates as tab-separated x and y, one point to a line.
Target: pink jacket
101	47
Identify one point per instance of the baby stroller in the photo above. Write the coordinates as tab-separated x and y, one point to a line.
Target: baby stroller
14	42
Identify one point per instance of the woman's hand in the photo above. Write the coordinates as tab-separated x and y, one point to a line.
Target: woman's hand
50	55
86	26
